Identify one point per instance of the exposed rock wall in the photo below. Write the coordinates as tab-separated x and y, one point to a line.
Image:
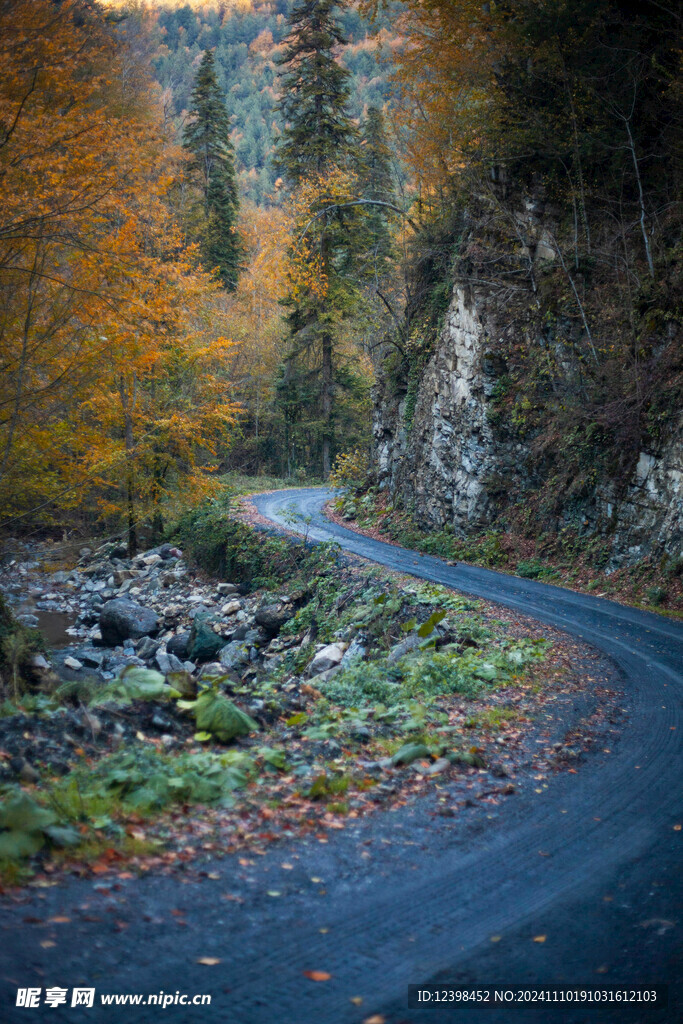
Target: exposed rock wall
451	466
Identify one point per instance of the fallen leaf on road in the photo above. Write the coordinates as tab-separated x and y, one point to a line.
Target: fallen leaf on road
539	938
59	920
48	944
377	1018
356	1000
274	892
496	938
209	961
317	975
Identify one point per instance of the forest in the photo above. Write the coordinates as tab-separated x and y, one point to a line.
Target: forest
221	222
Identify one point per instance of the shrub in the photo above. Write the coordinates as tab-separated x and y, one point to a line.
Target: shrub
221	544
18	644
350	470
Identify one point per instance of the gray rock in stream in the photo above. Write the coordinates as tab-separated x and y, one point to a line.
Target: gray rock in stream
123	619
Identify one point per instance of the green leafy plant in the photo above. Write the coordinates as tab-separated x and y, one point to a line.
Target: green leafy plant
135	683
216	716
25	827
147	780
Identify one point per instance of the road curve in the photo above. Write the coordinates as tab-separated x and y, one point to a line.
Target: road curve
410	897
617	833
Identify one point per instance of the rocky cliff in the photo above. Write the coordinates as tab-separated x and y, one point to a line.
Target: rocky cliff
442	452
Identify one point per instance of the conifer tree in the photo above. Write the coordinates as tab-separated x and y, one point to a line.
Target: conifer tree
318	133
376	183
207	138
318	140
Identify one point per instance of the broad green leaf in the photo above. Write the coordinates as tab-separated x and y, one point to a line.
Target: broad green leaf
63	835
410	752
19	812
427	628
217	715
16	845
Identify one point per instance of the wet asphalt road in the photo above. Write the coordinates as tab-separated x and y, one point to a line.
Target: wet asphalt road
424	905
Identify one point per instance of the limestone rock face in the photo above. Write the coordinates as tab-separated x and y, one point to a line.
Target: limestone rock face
451	467
442	464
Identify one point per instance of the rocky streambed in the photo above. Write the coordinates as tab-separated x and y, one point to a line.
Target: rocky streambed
110	612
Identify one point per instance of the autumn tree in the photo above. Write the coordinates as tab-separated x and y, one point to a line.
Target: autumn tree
207	138
100	307
543	140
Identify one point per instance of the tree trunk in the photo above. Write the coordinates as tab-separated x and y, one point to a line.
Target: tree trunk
643	217
327	403
128	404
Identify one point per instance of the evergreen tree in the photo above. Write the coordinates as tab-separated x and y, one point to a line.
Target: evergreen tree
318	140
376	182
318	133
207	138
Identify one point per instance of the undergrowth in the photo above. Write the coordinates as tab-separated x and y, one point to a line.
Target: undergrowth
565	557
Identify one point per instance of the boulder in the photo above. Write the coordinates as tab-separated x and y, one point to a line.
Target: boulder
328	657
411	642
152	559
356	651
203	642
169	663
231	607
89	656
179	645
147	648
227	588
272	617
234	655
27	619
123	619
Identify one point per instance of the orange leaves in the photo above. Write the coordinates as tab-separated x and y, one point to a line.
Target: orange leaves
442	80
112	349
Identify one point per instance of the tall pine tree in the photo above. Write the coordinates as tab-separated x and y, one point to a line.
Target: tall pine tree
318	133
318	138
376	183
207	138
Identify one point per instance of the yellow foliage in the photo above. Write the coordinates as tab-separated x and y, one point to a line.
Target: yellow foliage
112	353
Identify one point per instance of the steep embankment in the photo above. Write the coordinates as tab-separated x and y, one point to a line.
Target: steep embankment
462	446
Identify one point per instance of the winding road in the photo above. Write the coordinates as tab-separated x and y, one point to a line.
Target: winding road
617	834
421	902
